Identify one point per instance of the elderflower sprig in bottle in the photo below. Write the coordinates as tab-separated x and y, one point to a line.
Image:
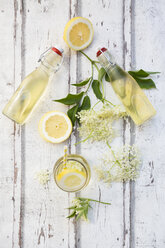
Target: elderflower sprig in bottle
134	99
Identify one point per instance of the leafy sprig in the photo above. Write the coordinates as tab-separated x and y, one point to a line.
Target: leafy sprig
81	101
81	207
142	79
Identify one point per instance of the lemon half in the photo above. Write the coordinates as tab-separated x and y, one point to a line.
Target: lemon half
55	127
78	33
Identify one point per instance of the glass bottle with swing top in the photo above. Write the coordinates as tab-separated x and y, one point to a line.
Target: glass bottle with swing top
129	92
32	88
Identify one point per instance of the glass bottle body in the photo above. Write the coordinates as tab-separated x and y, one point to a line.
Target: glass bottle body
28	94
129	92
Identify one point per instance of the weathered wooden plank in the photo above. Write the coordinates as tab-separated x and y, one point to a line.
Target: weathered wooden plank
105	228
73	73
12	134
7	127
19	131
149	189
45	224
128	130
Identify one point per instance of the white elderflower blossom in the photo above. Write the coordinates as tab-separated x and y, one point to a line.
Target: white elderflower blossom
98	125
43	176
120	165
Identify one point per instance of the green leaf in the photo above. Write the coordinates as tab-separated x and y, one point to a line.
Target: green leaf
141	78
86	213
96	89
71	99
101	74
141	73
86	104
153	72
82	83
72	207
80	215
79	209
145	83
72	113
71	215
107	78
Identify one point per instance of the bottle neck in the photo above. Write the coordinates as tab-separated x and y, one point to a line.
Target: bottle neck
51	62
45	69
108	63
106	60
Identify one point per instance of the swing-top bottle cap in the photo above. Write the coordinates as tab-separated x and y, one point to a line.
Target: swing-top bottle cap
106	60
100	51
57	50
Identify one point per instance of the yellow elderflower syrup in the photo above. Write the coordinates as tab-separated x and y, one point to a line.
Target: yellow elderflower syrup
73	174
27	96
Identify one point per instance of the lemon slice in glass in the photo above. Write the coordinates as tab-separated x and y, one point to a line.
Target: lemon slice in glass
71	179
55	127
78	33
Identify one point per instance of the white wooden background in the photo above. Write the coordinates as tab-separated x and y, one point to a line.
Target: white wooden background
34	217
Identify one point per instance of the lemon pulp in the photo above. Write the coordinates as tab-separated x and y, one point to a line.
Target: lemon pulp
56	126
79	34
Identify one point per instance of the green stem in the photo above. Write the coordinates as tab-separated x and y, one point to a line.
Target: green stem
92	69
89	199
102	102
95	66
109	102
117	161
91	80
102	86
96	104
92	61
82	141
86	56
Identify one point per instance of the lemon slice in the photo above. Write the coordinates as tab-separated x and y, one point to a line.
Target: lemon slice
55	127
71	179
78	33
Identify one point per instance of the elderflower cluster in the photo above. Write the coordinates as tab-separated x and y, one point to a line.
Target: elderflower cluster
43	176
120	165
97	125
77	203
